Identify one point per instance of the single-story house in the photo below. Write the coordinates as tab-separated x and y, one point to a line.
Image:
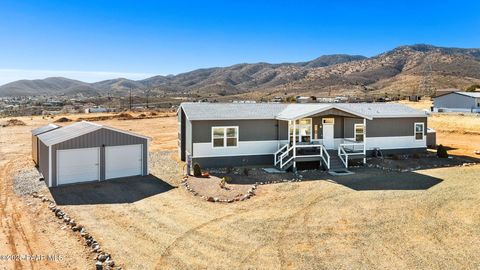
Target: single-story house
283	135
457	102
85	151
35	134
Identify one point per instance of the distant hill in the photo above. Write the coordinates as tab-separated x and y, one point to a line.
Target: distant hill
403	70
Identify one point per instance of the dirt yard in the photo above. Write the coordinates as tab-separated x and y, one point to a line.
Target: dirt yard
426	219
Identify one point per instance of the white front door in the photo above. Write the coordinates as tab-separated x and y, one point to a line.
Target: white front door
78	165
328	136
123	161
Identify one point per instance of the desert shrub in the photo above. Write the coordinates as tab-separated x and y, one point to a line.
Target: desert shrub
62	120
14	122
442	151
246	171
197	170
153	113
143	115
395	157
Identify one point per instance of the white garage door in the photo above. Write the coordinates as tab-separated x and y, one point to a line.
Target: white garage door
123	161
78	165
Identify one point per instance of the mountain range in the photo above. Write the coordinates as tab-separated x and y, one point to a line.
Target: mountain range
403	70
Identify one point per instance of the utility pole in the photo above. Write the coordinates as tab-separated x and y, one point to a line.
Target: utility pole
130	99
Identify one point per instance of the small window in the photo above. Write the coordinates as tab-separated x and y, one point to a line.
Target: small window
224	136
328	121
419	130
359	132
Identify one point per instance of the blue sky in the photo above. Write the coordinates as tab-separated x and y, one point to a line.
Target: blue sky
95	40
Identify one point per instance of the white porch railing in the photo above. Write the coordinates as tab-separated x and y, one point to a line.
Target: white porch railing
279	152
282	156
350	149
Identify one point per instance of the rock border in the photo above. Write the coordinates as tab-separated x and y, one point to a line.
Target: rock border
378	166
250	193
103	260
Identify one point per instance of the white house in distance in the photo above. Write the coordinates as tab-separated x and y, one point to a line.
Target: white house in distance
456	101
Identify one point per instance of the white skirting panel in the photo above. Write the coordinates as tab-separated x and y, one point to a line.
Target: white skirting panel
395	142
243	149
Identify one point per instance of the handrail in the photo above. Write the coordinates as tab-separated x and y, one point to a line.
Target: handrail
344	161
279	151
326	160
282	156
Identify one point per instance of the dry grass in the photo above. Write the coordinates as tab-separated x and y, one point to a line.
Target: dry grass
324	224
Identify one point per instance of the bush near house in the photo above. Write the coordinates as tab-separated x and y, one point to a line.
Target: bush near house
197	170
442	151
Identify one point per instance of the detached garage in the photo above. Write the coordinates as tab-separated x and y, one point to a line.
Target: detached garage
86	152
35	134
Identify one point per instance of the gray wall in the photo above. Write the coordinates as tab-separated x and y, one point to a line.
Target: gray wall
249	130
338	126
43	166
349	126
392	127
99	138
234	161
454	100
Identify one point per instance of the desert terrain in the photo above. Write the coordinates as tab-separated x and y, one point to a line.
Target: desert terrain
426	219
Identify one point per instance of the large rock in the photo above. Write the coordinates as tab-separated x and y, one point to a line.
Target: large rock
98	265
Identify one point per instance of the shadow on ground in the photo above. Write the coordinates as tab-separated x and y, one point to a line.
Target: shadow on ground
123	190
374	179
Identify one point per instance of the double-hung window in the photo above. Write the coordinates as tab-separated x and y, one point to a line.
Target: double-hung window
224	137
359	132
419	131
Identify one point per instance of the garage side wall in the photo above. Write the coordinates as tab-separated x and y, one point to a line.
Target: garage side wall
43	167
100	138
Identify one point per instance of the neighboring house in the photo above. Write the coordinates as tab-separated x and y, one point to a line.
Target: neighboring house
85	151
222	135
457	102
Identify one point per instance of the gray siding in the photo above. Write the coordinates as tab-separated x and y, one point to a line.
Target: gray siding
454	100
337	127
249	130
43	166
234	161
392	127
99	138
181	135
349	126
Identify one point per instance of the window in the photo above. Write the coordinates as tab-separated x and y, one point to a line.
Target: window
303	132
328	121
224	136
359	132
419	130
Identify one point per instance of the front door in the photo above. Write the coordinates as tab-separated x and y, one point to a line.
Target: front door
327	127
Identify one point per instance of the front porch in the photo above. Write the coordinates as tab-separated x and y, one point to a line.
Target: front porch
327	135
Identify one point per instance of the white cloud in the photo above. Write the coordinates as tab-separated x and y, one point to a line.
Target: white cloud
10	75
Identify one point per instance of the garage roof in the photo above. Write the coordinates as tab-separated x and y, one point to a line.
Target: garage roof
44	129
75	130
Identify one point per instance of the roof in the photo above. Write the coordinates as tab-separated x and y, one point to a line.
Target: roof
468	94
75	130
236	111
44	129
231	111
296	111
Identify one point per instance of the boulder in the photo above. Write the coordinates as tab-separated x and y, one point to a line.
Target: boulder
98	265
110	262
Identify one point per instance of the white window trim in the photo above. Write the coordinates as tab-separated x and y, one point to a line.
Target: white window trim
415	131
355	132
225	137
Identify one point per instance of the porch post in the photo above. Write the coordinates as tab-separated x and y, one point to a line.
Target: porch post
294	143
364	140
